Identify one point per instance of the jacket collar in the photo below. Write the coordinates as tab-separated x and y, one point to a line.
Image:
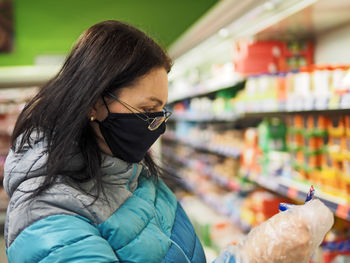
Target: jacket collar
30	163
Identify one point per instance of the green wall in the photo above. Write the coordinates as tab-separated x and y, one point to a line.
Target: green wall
52	26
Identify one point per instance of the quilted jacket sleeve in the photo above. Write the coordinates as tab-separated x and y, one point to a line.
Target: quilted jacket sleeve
60	238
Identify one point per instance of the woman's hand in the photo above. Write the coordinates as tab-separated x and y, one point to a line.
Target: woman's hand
288	237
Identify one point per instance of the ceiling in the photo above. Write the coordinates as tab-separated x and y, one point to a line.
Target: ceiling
50	27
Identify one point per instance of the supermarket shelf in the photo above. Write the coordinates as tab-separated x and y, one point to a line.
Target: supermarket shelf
283	186
217	149
262	19
210	202
232	117
210	86
223	181
236	221
297	191
26	76
284	113
197	117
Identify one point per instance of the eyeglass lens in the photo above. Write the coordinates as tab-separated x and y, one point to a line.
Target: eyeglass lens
156	123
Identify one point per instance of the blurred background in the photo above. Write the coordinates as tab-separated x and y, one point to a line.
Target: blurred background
260	94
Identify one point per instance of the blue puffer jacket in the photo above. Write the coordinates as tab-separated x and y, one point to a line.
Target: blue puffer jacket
136	220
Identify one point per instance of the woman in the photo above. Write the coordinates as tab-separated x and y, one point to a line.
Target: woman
83	187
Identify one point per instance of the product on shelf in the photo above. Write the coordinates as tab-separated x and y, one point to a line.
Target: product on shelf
267	151
336	245
210	137
308	149
224	102
250	153
271	56
219	105
319	148
211	177
201	80
307	138
214	229
314	87
227	168
229	138
260	206
181	107
284	155
272	135
258	57
224	170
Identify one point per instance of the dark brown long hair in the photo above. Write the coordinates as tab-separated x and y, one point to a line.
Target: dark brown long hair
107	56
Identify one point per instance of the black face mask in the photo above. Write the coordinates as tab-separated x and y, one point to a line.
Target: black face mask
128	136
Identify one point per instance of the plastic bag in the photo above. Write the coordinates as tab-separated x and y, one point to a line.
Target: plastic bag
288	237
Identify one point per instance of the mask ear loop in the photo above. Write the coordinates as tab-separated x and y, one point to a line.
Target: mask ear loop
106	105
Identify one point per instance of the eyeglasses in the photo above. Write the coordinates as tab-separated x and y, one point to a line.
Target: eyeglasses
153	123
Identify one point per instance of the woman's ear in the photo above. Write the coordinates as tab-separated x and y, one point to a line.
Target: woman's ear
92	115
98	111
93	112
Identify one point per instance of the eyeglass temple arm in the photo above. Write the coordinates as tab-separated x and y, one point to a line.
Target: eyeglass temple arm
128	106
